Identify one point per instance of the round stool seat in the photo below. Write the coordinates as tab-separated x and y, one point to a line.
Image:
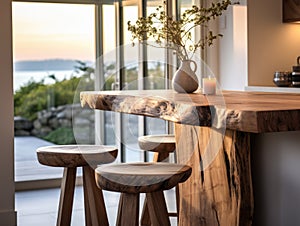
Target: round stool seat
141	177
70	157
131	179
76	155
157	143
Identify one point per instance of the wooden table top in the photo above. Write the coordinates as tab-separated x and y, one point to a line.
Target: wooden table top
255	112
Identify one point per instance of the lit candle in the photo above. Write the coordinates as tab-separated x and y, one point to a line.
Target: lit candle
209	85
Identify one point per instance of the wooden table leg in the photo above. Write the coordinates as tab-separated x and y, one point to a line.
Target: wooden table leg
219	191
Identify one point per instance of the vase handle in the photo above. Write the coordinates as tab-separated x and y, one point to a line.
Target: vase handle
195	65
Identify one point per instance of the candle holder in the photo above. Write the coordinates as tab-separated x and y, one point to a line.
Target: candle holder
209	86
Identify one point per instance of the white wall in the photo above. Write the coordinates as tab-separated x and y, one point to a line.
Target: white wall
7	206
233	48
273	45
270	44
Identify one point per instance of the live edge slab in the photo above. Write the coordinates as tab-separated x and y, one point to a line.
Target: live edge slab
213	136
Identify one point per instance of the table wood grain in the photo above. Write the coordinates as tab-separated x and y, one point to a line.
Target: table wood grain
254	112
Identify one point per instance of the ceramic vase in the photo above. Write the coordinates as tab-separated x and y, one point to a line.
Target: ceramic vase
185	79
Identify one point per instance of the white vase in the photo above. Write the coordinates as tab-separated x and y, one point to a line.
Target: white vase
185	79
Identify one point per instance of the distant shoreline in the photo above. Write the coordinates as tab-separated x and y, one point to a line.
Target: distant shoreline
21	78
47	65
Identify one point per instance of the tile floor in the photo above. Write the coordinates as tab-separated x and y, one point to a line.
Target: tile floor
39	207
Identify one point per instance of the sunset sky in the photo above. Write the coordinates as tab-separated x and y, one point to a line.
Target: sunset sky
44	31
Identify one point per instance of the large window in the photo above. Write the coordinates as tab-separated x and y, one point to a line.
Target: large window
63	48
52	45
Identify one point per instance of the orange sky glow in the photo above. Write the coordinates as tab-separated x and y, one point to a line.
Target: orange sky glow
47	31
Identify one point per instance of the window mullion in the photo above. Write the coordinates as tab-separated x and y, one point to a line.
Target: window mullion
143	71
99	74
119	77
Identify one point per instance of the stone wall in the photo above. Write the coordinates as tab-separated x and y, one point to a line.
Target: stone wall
69	116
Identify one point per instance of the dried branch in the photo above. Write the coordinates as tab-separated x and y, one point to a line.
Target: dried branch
177	34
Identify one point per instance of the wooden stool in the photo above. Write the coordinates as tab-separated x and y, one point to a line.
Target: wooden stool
162	145
70	157
131	179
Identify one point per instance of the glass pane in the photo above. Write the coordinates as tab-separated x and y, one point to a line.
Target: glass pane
195	32
131	57
53	47
109	60
156	59
130	123
155	75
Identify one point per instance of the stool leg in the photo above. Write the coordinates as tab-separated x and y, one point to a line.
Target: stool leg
66	197
95	212
157	209
160	157
128	212
145	218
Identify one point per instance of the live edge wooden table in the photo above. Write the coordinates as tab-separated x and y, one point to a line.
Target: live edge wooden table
213	136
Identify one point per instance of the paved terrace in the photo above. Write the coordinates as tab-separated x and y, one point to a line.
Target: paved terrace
27	166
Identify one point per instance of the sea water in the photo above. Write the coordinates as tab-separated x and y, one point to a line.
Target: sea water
21	78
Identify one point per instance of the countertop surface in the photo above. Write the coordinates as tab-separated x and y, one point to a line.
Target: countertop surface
236	110
275	89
